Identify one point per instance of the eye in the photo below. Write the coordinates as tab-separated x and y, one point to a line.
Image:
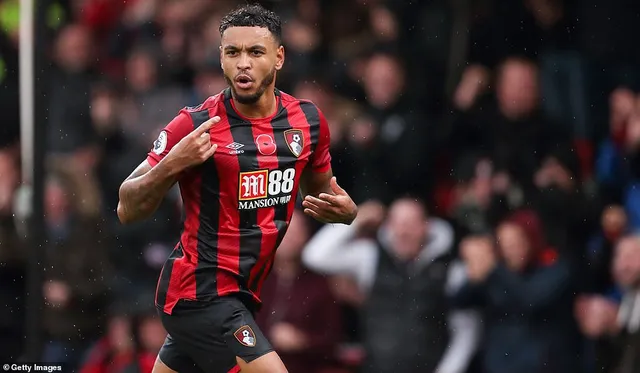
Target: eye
231	53
257	53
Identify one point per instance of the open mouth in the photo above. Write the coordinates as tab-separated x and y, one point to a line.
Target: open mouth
244	81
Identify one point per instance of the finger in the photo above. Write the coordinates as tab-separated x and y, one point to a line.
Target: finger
206	126
211	151
329	198
324	210
335	187
316	216
310	205
205	138
318	201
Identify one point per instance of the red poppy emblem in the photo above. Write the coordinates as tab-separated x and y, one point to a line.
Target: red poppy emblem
265	144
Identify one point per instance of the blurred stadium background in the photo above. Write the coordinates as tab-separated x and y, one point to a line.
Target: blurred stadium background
518	119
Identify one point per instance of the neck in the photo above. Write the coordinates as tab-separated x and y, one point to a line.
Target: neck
263	108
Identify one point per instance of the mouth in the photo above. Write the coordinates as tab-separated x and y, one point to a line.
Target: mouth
244	81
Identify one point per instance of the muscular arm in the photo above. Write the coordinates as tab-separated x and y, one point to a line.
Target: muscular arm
142	192
314	183
178	147
325	200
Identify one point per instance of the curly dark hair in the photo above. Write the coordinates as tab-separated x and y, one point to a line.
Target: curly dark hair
251	16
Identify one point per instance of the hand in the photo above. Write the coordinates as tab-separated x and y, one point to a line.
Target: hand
196	147
596	316
286	337
327	208
56	293
501	183
479	257
474	80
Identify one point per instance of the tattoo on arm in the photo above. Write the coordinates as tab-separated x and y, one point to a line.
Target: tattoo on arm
143	191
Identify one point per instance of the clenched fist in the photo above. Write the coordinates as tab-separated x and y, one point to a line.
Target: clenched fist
196	147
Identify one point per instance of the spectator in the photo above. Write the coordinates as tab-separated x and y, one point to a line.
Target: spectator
511	131
525	293
134	337
567	213
615	327
407	274
600	250
76	277
71	133
626	270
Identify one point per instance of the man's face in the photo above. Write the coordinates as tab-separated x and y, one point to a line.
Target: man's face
517	89
407	225
250	57
626	263
383	81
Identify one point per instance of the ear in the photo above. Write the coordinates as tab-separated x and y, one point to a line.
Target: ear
279	57
221	63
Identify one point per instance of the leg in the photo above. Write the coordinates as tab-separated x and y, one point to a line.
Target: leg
172	359
269	363
160	367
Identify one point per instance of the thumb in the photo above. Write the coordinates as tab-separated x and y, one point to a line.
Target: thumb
335	187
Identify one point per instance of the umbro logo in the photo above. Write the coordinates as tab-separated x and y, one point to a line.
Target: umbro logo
235	148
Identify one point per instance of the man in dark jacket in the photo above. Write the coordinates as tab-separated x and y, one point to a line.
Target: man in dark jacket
626	270
407	274
526	297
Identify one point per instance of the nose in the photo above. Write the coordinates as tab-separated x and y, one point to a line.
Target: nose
244	62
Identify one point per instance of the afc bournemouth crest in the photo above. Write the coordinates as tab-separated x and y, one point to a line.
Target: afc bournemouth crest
295	141
245	336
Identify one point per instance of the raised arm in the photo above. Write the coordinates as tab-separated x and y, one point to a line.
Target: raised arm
324	199
141	193
178	147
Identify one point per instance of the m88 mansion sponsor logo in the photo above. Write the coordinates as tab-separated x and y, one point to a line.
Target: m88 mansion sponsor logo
265	188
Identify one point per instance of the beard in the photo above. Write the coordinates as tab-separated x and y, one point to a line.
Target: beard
252	98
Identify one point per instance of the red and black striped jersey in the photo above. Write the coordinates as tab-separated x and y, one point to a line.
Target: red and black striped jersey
239	203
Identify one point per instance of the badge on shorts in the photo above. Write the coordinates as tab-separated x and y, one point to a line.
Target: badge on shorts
246	336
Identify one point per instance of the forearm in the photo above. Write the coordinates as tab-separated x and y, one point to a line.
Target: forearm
311	187
465	335
141	195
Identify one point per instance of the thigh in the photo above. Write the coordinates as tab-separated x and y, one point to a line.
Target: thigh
172	358
269	363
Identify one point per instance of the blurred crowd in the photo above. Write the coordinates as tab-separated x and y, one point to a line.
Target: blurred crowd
493	147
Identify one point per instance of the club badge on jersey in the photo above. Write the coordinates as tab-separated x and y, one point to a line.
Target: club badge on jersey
295	141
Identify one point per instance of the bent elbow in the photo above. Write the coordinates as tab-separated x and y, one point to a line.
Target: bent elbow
122	215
